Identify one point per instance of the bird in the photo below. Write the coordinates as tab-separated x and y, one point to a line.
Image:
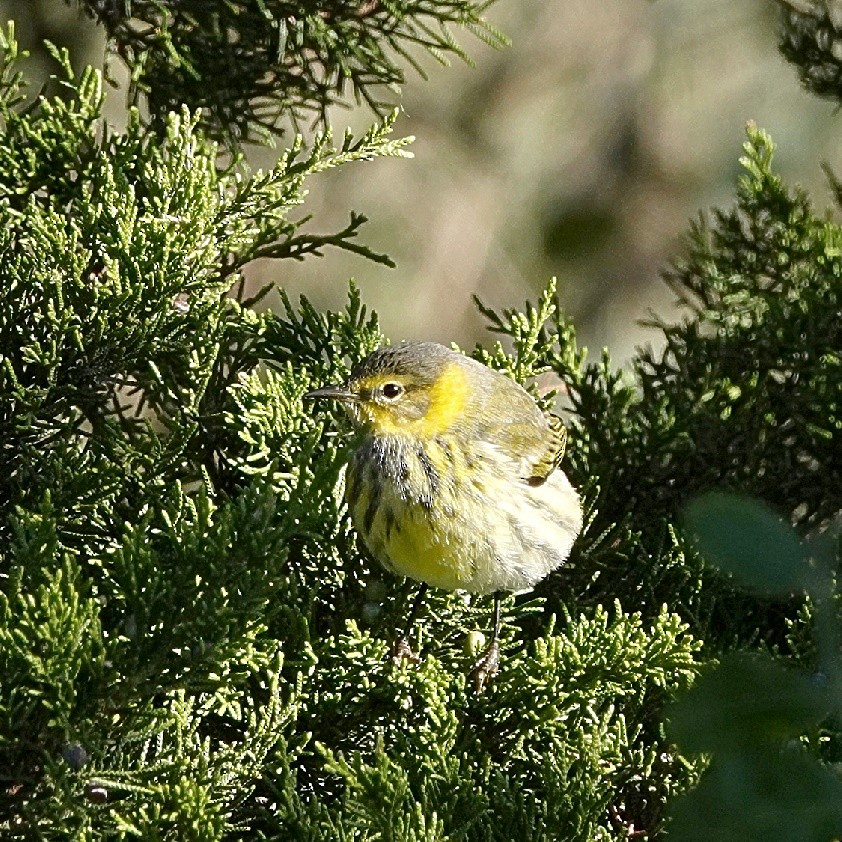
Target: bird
454	478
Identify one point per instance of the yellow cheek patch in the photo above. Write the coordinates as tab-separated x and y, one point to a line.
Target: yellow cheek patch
413	552
448	397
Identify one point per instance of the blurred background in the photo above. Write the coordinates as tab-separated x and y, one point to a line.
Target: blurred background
580	152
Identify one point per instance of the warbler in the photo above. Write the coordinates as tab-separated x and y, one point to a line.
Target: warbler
454	478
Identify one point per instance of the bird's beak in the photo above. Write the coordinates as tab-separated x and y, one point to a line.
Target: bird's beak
334	393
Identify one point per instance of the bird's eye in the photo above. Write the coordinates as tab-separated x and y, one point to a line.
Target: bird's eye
390	391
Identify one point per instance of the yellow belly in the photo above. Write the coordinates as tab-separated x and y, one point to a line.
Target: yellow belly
481	534
410	540
420	552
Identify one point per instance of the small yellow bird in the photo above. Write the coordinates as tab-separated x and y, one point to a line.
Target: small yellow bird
455	479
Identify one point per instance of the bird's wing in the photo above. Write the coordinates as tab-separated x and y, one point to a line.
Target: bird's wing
533	441
549	458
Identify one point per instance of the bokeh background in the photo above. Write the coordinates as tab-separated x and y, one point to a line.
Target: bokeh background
580	152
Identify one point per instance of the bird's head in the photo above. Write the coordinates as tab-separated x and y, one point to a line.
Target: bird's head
417	388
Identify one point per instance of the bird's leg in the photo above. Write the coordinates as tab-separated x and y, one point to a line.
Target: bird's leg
486	667
401	650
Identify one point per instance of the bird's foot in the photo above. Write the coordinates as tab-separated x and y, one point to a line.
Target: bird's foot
402	651
486	667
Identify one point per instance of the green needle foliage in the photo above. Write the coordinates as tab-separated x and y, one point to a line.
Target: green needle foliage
744	397
810	37
193	644
249	64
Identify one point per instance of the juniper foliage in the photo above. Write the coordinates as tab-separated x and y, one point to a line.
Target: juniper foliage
193	645
270	61
810	34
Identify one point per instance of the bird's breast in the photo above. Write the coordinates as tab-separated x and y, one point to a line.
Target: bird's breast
458	519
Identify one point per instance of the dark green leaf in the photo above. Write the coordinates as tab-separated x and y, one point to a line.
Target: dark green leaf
746	539
786	796
747	701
